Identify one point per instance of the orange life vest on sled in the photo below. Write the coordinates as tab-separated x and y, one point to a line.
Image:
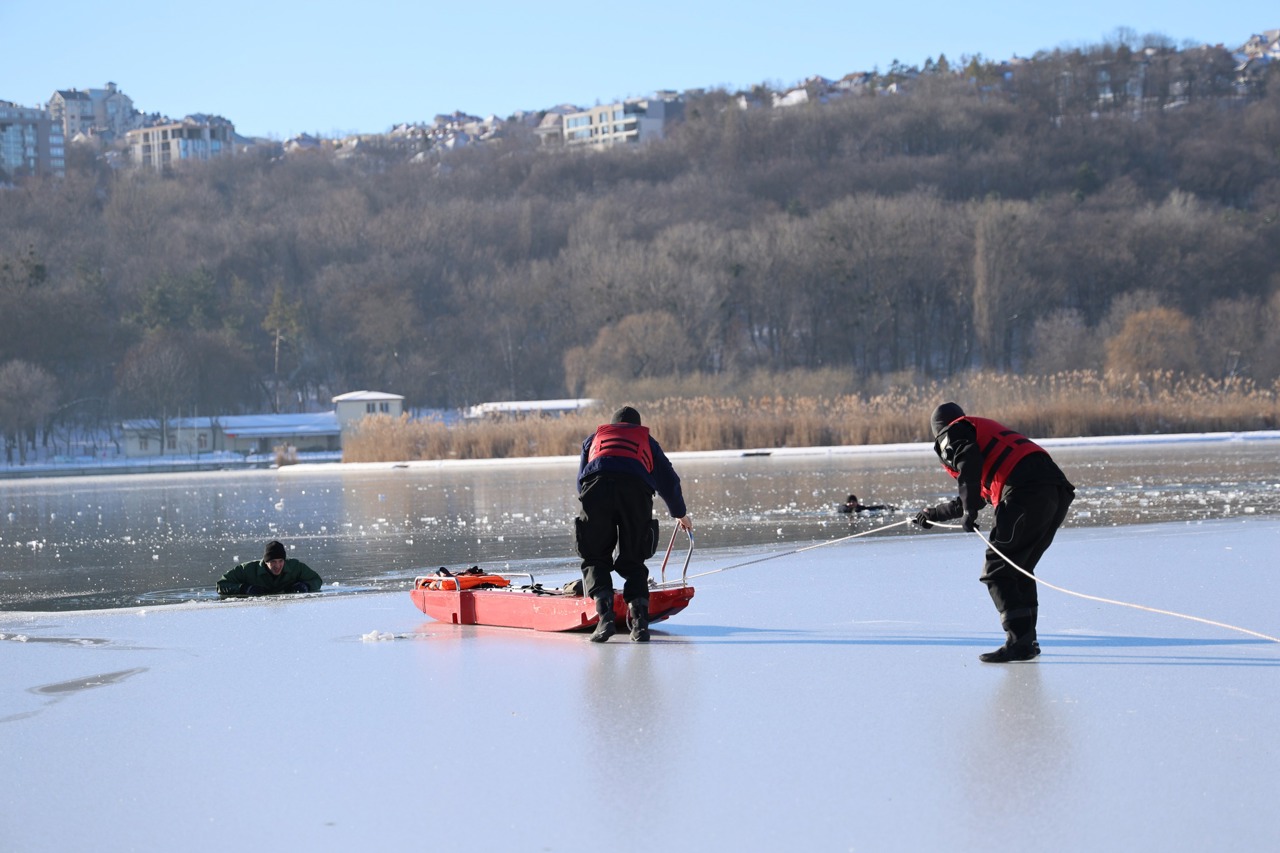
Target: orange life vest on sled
628	441
470	579
1002	449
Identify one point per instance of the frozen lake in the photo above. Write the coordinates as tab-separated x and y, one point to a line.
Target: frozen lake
825	699
120	541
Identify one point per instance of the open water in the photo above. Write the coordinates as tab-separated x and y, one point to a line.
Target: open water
119	541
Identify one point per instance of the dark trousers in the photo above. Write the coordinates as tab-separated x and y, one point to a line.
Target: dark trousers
616	509
1027	518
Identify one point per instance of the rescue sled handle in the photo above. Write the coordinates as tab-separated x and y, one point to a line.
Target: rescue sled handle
684	571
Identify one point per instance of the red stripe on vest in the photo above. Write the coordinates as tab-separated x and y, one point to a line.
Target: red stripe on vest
1002	449
627	441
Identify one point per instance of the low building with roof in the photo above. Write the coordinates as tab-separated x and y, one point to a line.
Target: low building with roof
528	408
246	435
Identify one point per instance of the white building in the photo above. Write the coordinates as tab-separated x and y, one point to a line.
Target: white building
108	112
355	405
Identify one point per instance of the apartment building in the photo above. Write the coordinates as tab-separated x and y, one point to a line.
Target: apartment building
31	143
93	112
195	138
626	122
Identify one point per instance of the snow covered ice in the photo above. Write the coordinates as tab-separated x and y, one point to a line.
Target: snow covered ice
825	700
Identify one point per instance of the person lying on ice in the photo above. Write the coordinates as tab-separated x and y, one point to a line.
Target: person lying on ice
270	575
993	464
853	505
620	469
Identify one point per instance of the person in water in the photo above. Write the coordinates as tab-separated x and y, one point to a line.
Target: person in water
852	505
274	573
993	464
620	469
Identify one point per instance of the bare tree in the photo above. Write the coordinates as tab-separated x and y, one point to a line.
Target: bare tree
1062	341
28	394
156	383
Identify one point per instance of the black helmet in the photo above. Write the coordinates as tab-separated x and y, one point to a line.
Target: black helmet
943	416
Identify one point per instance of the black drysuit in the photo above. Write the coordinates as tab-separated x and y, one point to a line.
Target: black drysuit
616	494
1033	504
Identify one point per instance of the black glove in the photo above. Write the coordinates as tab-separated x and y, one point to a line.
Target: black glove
970	523
300	586
250	589
923	519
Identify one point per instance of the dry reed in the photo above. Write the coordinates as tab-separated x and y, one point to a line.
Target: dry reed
1080	403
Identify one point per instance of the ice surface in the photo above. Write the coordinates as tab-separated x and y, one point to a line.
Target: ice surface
825	700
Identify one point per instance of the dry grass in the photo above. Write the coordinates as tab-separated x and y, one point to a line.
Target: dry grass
1066	404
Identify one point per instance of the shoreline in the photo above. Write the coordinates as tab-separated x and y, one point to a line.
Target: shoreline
165	465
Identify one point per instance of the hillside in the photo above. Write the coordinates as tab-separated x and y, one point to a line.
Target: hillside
1102	208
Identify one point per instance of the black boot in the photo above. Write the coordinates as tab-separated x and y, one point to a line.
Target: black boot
638	617
1009	654
1021	641
606	627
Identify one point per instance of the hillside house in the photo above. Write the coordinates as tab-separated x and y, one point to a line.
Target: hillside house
196	137
105	112
31	142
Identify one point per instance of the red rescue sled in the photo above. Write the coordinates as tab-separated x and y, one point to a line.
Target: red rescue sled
491	599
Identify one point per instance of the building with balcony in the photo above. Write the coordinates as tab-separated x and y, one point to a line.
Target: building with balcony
626	122
195	138
31	143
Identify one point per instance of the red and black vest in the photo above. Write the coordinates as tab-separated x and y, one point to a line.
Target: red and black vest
628	441
1002	449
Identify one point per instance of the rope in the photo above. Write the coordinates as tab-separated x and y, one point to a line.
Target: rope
1039	581
1043	582
802	550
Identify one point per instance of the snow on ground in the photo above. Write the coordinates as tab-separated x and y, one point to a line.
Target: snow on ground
824	700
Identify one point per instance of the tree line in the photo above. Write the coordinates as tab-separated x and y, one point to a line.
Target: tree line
1105	208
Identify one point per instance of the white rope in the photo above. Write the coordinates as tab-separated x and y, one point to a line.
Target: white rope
802	550
1038	580
1043	582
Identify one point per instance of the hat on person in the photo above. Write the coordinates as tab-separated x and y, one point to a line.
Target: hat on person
275	551
944	416
626	415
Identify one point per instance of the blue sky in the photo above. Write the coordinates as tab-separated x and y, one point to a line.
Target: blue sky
282	67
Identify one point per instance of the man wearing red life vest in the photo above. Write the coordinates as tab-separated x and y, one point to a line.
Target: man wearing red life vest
620	469
993	464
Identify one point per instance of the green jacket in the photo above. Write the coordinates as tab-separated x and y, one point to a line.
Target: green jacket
255	574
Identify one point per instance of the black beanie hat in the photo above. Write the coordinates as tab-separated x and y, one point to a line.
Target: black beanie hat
944	415
275	551
626	415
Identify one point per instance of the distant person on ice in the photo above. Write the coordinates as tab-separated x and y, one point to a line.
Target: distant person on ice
993	464
620	469
270	575
852	505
